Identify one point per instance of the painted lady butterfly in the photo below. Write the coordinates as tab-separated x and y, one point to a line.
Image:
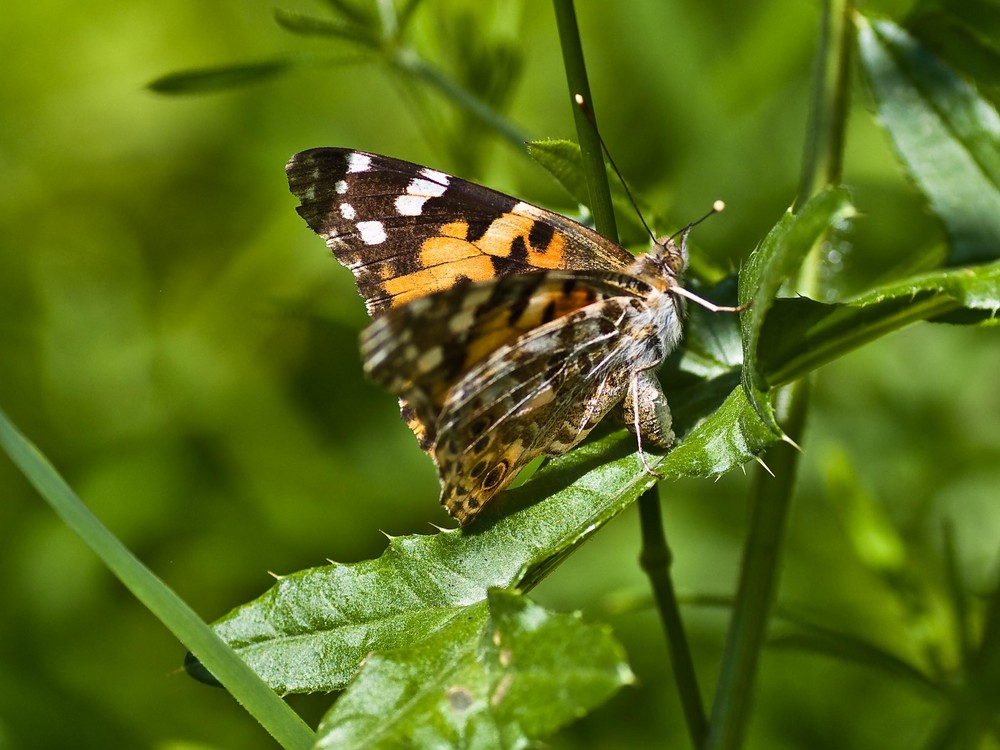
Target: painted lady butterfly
508	331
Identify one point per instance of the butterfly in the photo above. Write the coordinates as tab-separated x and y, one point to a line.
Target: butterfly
508	331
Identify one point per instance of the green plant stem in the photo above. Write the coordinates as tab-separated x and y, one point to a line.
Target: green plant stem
770	502
242	683
655	559
973	714
655	556
771	495
839	110
817	111
586	132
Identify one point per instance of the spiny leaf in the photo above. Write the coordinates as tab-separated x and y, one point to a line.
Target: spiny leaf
803	334
967	34
769	267
946	135
313	628
507	672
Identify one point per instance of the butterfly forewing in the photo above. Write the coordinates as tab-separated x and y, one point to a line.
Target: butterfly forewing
407	231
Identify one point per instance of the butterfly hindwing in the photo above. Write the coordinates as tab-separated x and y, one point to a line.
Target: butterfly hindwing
541	395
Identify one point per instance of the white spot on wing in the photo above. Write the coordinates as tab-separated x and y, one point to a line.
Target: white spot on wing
426	188
431	185
372	232
347	211
358	162
526	209
410	205
430	359
340	186
439	177
462	321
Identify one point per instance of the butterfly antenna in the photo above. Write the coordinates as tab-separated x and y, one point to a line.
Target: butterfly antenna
717	207
585	108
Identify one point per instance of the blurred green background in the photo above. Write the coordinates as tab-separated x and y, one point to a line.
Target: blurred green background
185	351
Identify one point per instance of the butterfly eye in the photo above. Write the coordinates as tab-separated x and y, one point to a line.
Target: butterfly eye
672	255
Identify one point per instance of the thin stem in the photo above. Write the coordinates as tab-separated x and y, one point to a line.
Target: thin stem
655	556
586	133
770	501
655	560
771	494
817	111
841	95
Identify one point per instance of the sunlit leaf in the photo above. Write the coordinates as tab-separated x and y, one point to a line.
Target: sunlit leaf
946	135
504	673
313	628
803	334
772	265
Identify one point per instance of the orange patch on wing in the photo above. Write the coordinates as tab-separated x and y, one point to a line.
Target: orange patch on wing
484	344
458	229
562	304
497	329
503	232
439	251
402	289
450	257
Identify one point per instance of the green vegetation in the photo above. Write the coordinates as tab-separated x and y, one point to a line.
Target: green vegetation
184	352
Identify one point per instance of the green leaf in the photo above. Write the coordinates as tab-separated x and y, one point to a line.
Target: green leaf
273	713
222	78
363	14
770	266
825	641
802	334
506	672
966	34
946	135
306	24
563	160
311	630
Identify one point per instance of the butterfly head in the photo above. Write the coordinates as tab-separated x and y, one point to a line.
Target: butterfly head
663	266
672	257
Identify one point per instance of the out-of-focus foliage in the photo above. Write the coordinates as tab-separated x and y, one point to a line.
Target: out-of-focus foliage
185	351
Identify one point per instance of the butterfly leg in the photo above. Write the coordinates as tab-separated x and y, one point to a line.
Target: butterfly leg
647	414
